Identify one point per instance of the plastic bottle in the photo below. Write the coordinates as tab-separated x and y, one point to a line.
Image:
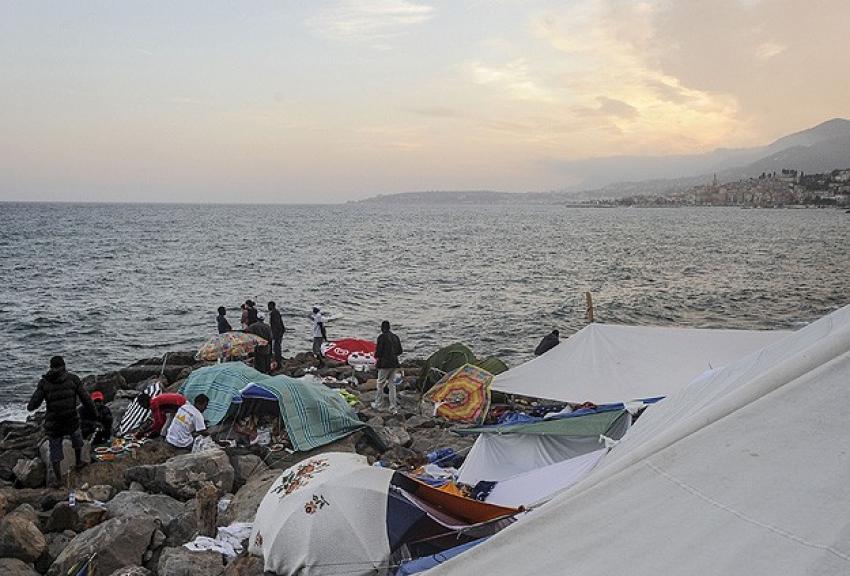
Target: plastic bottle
72	498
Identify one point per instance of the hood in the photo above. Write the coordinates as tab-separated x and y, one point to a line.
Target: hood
54	374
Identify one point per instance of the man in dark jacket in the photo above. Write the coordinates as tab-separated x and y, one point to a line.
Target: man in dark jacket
278	329
60	390
547	343
253	315
262	354
387	350
99	422
223	324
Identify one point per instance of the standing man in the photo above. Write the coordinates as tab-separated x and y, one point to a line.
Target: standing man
319	334
278	329
262	354
387	350
223	324
60	390
253	315
188	423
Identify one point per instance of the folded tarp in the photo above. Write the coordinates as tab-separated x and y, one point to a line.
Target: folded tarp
589	424
605	363
743	473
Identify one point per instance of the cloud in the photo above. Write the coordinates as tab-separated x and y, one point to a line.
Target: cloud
435	111
513	79
369	20
614	107
184	100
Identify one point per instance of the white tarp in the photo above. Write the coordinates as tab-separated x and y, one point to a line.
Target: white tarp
606	363
325	516
744	472
538	485
502	456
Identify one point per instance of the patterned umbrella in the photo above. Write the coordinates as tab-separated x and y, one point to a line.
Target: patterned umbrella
229	345
463	395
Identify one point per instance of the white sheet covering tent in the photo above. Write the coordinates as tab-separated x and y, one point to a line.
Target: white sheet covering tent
604	363
744	472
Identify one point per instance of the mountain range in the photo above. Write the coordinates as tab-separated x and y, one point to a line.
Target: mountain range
821	148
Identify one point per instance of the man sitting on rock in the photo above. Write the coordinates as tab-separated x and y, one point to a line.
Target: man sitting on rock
60	390
98	422
188	423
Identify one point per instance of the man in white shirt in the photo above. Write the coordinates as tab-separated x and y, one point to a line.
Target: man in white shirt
319	334
188	422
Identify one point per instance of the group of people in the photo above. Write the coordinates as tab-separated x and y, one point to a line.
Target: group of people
270	356
61	391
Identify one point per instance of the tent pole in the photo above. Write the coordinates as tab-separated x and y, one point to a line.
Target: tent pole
589	302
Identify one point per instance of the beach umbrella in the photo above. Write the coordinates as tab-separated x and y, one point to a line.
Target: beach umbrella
463	395
229	345
325	515
341	350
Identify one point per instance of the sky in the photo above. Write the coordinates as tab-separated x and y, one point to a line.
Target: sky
330	101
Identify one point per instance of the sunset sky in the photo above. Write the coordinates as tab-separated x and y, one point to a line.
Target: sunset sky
288	101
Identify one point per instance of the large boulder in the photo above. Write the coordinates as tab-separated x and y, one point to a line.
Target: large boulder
245	566
55	544
30	473
244	466
181	561
109	384
182	476
243	506
78	518
8	459
176	518
21	539
118	542
15	567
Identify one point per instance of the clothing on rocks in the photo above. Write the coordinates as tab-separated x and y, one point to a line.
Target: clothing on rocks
223	324
161	407
98	422
187	421
547	343
60	390
386	387
387	350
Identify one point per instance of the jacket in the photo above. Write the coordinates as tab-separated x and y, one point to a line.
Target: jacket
276	323
223	325
60	390
547	343
387	350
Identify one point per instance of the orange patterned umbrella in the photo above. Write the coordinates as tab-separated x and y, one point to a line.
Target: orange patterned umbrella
463	395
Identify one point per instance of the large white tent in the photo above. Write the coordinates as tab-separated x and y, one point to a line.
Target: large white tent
604	363
744	472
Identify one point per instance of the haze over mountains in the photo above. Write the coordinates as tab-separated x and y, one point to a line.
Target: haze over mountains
818	149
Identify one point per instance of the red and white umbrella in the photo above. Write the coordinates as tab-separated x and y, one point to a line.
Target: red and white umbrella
349	349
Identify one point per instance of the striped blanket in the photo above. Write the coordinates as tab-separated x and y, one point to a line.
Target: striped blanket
135	415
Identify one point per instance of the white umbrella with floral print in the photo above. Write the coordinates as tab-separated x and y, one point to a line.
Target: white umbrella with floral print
325	516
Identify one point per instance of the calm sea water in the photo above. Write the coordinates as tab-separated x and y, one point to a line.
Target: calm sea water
105	285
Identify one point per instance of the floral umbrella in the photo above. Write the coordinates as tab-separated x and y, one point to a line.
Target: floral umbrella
229	345
463	395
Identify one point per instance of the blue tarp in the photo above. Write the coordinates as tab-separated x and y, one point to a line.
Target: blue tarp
427	562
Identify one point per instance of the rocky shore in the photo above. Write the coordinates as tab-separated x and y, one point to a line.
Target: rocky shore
132	516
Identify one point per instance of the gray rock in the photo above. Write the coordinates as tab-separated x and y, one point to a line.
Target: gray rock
428	439
393	436
244	466
118	542
78	518
21	539
181	561
243	507
55	544
158	539
109	384
27	512
30	473
182	476
183	527
175	517
245	566
136	487
101	492
416	421
8	459
4	503
15	567
132	571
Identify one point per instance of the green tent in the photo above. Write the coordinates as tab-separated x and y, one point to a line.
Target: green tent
492	365
593	424
221	383
314	415
442	362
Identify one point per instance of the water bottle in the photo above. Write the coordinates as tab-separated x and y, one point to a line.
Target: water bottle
72	498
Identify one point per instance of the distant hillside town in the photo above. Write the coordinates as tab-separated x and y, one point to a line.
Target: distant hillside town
769	190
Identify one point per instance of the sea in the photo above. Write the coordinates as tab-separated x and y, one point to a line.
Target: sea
105	285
